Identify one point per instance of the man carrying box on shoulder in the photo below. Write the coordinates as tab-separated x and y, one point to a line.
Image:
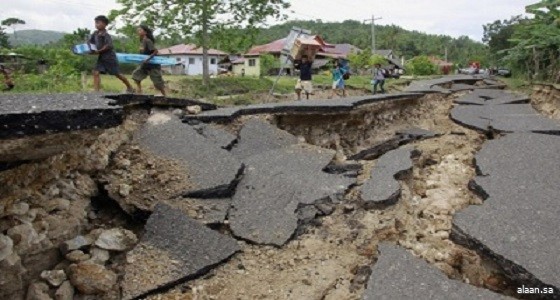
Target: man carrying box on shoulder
304	82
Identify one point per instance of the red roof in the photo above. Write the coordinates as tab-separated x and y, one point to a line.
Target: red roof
188	49
327	50
274	47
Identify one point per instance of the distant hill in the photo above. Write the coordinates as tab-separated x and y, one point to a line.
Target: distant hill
35	37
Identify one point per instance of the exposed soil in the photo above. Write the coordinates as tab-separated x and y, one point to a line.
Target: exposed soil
546	99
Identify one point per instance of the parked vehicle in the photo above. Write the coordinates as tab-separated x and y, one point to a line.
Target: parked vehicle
505	72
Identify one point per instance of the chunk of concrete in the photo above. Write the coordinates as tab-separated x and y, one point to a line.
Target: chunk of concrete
257	137
519	220
77	243
212	170
175	248
116	239
92	279
275	183
383	188
397	274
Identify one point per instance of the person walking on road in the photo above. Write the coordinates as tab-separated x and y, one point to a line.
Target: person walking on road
338	79
146	69
378	79
107	58
304	82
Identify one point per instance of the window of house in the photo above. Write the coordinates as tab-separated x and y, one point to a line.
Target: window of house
213	61
178	59
252	62
191	61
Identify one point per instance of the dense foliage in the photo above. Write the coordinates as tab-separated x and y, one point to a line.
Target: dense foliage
422	66
530	46
268	63
365	59
4	43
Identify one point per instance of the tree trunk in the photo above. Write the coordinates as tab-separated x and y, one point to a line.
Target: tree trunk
205	43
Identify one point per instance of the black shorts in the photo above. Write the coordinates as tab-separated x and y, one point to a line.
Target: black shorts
107	67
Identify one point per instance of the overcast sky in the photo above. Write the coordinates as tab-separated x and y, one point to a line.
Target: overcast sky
451	17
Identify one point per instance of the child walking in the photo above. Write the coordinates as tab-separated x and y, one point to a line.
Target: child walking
338	79
107	58
146	69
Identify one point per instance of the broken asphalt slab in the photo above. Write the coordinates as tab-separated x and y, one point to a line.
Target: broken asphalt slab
33	114
397	274
504	118
133	99
492	97
275	184
335	106
258	136
437	85
382	188
174	249
520	219
401	138
212	170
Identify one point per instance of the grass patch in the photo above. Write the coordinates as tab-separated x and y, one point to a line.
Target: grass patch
227	86
517	84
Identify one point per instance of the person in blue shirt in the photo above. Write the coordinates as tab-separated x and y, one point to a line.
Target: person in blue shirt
338	78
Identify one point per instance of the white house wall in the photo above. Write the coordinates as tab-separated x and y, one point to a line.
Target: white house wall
196	67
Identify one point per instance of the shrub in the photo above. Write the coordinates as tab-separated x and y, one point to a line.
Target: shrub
422	66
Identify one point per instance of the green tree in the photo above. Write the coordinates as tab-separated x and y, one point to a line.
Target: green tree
497	35
365	59
267	63
4	43
422	66
536	50
12	22
199	18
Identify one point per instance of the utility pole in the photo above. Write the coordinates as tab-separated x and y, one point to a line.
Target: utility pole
372	20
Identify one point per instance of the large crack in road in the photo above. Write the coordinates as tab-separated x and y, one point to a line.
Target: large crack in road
350	199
